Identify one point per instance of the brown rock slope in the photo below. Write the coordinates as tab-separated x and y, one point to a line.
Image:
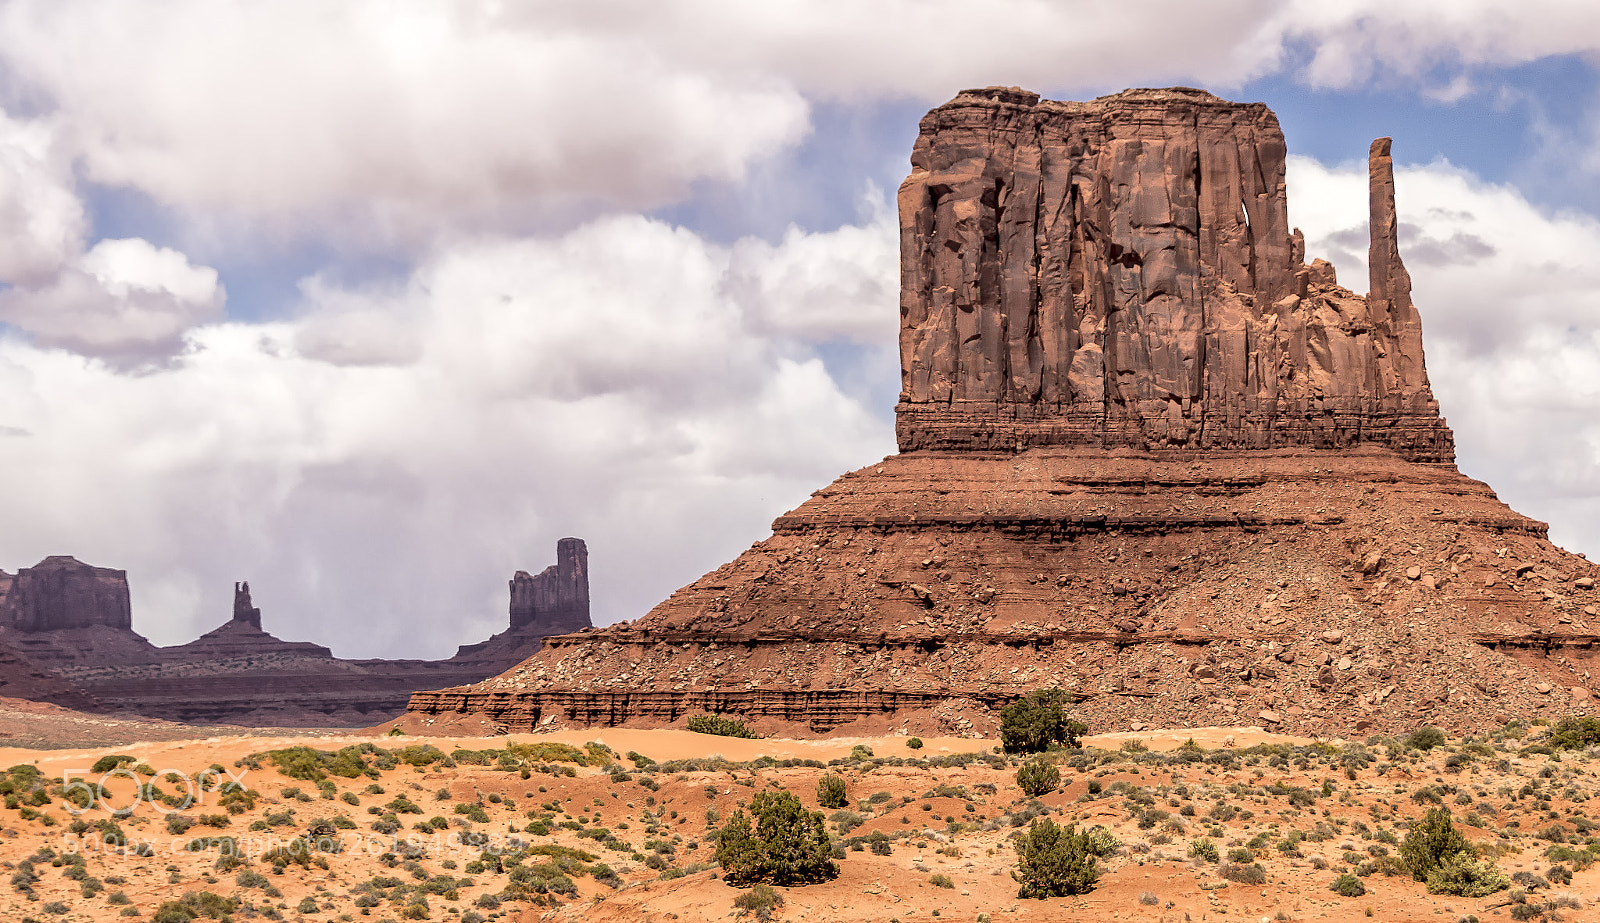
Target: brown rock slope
1147	455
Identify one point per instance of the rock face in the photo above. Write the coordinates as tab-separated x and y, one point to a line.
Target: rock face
61	592
239	673
556	601
1121	273
1148	455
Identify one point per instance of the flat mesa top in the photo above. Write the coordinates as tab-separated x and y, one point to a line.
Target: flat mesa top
1016	96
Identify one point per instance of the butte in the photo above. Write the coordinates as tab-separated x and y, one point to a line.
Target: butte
1148	455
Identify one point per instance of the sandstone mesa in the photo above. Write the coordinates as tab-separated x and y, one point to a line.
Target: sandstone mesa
1147	454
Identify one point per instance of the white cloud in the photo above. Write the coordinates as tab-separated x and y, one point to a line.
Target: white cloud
125	300
382	123
1510	302
813	286
42	223
383	118
601	384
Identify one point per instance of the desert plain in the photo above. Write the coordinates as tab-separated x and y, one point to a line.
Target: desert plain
619	824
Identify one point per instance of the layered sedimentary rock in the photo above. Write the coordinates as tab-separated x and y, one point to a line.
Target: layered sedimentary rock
62	611
1148	455
241	674
1121	273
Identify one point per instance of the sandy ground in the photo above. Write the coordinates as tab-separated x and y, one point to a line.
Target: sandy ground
944	820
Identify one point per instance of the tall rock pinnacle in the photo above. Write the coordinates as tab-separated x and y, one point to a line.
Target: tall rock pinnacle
1389	286
243	611
557	600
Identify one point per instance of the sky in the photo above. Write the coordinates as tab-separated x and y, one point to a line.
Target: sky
369	303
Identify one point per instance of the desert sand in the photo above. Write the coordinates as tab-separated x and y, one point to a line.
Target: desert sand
621	828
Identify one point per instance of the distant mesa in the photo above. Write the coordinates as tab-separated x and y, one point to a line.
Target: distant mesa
1148	454
66	637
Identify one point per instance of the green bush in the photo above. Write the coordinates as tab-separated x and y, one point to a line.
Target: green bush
1053	861
914	743
1575	733
108	763
1036	721
787	846
1348	886
1462	875
760	901
719	726
941	881
1036	777
831	792
1430	842
1425	738
1204	849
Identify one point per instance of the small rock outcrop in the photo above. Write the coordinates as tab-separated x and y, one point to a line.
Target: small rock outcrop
1148	455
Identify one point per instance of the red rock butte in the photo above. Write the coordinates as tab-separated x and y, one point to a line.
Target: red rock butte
1148	455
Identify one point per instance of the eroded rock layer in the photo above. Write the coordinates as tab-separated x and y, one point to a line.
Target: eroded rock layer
1148	455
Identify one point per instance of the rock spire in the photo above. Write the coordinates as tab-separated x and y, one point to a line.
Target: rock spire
243	611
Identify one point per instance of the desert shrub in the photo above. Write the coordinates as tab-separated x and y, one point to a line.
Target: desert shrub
1036	777
108	763
760	901
1240	854
719	726
1036	721
914	743
1053	861
1560	875
1462	875
1252	874
787	846
1430	842
1425	738
941	881
1204	849
831	792
473	812
192	906
311	765
177	823
1348	886
1575	733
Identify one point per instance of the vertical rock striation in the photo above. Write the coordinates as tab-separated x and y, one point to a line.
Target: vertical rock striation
1120	273
557	600
62	592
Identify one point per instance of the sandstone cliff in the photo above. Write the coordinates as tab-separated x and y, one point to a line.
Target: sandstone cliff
62	592
1121	273
1148	455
